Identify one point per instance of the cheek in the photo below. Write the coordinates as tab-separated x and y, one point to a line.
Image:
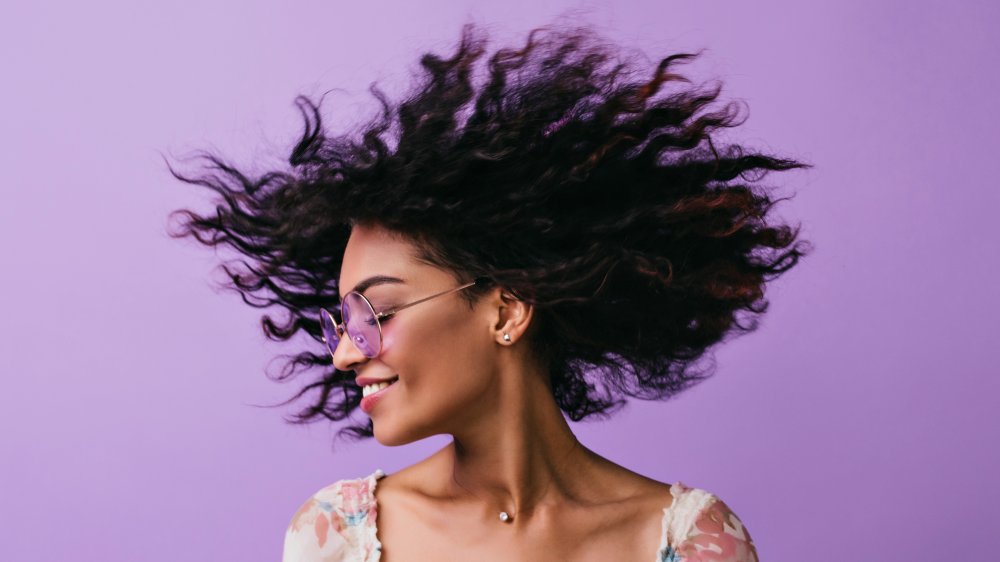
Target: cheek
427	334
446	374
390	340
444	355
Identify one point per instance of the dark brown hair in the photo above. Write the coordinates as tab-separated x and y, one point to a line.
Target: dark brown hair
586	184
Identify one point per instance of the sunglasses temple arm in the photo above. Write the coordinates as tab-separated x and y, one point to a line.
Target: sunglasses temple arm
390	312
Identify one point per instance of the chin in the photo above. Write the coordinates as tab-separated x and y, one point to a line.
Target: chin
391	435
386	435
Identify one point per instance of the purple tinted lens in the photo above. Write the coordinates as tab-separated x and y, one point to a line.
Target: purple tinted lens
329	330
361	324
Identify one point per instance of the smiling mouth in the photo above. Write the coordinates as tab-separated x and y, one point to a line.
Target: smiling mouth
370	389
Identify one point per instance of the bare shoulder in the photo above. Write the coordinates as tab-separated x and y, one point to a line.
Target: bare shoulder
655	498
636	489
407	495
638	494
620	507
655	492
410	481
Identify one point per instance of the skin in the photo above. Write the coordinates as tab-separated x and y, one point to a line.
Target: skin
512	449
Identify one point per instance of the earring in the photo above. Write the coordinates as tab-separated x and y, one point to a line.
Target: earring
506	337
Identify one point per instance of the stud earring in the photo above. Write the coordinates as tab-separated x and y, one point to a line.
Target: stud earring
506	337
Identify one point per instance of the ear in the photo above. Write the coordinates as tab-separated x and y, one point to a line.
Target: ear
513	318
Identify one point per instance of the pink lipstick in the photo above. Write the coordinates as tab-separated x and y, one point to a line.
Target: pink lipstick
368	402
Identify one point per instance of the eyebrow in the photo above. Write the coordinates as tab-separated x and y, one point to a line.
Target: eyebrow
373	281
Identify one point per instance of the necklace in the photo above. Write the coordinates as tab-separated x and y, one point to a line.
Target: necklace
504	516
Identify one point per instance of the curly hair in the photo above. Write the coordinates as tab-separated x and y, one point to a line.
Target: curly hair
564	172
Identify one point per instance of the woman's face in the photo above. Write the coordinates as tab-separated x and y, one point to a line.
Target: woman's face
443	353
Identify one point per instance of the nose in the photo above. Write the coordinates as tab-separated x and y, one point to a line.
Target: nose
346	356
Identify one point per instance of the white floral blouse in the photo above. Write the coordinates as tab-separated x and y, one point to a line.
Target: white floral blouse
338	524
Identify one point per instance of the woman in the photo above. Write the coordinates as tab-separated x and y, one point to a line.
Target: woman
488	257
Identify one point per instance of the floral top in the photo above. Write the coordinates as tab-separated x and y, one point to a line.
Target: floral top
337	524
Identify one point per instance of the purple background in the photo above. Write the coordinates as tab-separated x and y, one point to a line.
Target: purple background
857	424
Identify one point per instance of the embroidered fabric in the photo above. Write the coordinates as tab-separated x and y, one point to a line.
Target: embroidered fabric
338	524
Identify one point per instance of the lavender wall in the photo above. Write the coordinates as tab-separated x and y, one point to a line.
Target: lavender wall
858	423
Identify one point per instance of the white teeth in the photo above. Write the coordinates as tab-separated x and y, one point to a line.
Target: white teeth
372	388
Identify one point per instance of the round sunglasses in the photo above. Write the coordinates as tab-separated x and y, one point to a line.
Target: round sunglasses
362	324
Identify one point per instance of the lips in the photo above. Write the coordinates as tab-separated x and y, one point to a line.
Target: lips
369	401
365	381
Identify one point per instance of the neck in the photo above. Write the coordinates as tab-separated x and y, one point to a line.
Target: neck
518	453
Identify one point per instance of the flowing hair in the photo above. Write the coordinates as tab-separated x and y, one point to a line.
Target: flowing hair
588	185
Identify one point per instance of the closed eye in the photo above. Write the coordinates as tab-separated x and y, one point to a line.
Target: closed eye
382	320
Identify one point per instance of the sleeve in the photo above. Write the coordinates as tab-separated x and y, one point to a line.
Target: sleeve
315	533
717	535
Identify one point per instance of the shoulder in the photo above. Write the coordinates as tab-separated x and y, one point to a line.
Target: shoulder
337	522
699	526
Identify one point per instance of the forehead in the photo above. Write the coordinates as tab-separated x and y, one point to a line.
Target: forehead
366	242
369	248
372	250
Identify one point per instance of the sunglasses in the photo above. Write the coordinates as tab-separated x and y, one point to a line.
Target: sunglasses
362	324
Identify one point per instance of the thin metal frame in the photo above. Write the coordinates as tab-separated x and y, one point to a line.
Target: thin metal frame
341	328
